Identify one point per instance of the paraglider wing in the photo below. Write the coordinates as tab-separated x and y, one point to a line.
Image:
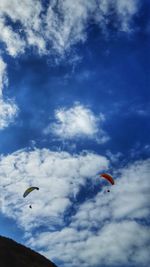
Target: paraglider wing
29	190
108	177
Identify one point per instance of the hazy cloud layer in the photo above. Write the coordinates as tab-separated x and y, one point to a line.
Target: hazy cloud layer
77	122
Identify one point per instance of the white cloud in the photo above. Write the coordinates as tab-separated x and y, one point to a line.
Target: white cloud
27	15
124	243
77	121
128	199
8	112
14	44
59	175
68	26
52	30
109	229
8	109
3	76
60	25
124	11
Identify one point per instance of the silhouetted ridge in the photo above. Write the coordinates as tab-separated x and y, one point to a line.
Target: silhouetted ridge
13	254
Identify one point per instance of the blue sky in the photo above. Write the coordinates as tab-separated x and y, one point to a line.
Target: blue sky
74	102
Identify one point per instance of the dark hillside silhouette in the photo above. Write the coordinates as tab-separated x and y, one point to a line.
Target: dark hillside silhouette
13	254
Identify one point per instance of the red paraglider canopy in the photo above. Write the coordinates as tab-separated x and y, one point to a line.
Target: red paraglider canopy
108	177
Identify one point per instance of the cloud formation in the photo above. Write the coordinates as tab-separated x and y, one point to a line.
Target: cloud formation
60	24
110	228
8	109
59	175
53	29
77	122
107	229
3	76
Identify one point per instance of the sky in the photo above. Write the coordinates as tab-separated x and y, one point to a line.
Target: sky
74	103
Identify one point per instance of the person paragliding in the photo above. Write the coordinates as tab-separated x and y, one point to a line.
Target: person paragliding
28	191
109	178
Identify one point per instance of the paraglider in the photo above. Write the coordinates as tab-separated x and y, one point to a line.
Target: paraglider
108	177
29	190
